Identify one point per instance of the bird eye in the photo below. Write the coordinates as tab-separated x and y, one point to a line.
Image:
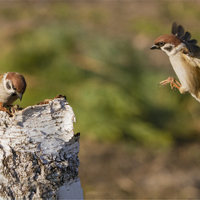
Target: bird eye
161	44
8	85
14	94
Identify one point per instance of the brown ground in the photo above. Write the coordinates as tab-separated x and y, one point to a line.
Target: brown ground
115	171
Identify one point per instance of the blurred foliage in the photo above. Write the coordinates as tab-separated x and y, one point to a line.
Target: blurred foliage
109	83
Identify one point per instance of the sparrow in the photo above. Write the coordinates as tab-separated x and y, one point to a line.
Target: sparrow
12	87
184	56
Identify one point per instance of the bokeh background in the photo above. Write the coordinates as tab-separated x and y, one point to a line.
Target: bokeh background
138	139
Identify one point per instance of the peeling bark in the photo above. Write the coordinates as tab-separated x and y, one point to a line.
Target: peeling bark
39	152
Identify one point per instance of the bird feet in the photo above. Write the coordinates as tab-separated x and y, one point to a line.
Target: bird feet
173	83
11	109
2	108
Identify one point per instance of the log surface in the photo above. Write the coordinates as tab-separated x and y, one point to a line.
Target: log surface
39	153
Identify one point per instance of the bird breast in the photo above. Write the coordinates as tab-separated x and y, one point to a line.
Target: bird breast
188	72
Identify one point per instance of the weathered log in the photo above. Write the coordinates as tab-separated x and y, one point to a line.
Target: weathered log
39	152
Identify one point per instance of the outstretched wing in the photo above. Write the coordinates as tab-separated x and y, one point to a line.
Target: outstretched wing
179	31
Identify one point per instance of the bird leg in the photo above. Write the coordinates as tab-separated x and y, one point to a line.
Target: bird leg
2	108
173	83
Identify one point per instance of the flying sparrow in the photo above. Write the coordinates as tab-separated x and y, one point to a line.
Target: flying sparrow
12	87
184	56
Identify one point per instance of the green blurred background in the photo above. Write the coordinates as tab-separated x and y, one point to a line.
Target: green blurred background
97	54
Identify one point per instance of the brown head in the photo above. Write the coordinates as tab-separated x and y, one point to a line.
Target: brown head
166	39
178	41
15	83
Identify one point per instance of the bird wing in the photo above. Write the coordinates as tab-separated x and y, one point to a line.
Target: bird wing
1	76
192	49
191	60
196	60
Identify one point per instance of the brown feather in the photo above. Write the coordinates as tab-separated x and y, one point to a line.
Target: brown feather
1	76
168	38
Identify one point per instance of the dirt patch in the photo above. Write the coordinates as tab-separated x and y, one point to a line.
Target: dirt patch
118	172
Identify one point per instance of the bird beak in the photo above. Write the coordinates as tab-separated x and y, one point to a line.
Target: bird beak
19	96
155	47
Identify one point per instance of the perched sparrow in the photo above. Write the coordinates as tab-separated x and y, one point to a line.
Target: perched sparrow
12	87
184	56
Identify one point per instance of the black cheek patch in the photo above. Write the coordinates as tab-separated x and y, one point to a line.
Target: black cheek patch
168	48
8	86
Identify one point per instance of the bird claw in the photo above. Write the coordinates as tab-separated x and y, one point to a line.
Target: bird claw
2	108
173	83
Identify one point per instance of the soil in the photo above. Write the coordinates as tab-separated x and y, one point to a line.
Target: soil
118	171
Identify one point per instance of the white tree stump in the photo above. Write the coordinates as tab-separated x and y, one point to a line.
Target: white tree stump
39	153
